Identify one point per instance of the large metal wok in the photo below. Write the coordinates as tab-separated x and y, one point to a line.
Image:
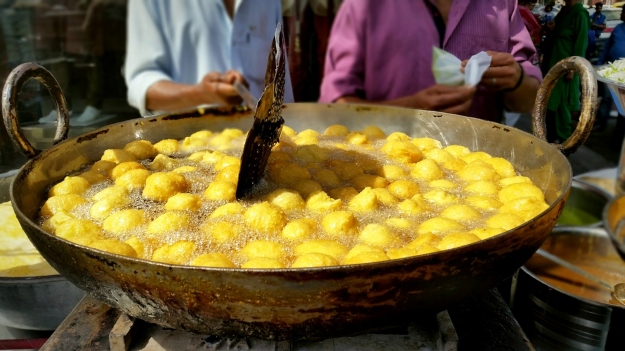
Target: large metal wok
297	303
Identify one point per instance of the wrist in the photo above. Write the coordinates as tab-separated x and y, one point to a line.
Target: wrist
518	82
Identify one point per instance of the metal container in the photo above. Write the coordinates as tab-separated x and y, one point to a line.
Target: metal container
298	303
585	204
560	310
34	303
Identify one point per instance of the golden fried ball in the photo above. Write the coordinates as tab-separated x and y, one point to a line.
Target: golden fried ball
117	156
93	177
399	223
506	221
319	201
340	223
344	193
79	231
363	181
365	201
299	229
343	169
103	166
513	180
229	209
356	138
105	207
184	201
141	149
279	157
439	156
482	202
457	150
441	197
311	153
163	163
177	253
361	248
197	156
442	184
314	259
221	191
336	130
167	146
384	197
485	233
461	213
161	186
401	252
168	222
213	157
133	179
139	246
328	247
227	161
67	203
398	136
70	185
265	217
263	262
425	144
476	156
222	232
453	240
229	174
403	189
306	187
286	199
288	173
440	225
455	164
326	178
124	221
424	239
373	132
524	207
482	187
402	151
376	234
214	259
412	207
367	257
502	166
53	222
391	172
520	190
478	170
114	246
426	170
262	248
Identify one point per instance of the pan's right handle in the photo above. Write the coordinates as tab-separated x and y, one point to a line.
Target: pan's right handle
589	102
13	85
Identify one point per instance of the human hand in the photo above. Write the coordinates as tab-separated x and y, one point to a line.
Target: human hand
444	98
218	87
504	71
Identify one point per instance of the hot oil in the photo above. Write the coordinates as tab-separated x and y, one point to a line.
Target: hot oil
369	156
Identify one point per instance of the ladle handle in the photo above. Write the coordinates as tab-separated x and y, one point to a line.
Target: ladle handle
13	85
589	102
574	268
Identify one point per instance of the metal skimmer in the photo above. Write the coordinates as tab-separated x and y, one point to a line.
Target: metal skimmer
268	121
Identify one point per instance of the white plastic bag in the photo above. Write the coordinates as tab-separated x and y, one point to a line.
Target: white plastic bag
447	68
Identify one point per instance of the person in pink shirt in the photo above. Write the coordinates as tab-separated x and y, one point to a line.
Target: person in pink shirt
381	52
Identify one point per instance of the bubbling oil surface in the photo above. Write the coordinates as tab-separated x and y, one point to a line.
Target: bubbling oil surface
328	148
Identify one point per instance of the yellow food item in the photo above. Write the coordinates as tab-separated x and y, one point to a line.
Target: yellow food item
70	185
124	221
341	197
177	253
340	223
329	247
214	259
265	217
161	186
314	259
114	246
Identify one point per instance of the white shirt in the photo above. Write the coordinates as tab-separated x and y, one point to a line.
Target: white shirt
182	41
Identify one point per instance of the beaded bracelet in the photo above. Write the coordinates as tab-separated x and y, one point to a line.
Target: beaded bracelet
518	83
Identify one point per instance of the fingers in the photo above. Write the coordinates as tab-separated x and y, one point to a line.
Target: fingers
452	98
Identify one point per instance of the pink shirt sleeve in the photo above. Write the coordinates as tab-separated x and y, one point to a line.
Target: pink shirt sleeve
345	55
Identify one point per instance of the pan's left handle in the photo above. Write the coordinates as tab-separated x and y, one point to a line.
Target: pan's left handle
13	85
589	102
